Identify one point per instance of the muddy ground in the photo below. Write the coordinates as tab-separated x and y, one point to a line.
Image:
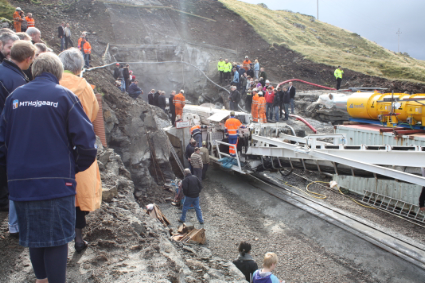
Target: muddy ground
309	249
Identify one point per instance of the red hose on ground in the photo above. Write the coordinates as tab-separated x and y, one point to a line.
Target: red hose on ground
304	121
297	80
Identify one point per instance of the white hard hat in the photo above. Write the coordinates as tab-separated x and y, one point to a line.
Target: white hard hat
255	89
260	93
18	9
267	81
182	91
246	57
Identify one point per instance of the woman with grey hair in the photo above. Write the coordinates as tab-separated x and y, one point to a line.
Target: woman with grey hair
41	173
89	186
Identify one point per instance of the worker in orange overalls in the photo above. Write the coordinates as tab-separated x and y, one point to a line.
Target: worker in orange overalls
196	133
246	63
254	106
232	126
30	21
17	20
262	108
179	103
87	52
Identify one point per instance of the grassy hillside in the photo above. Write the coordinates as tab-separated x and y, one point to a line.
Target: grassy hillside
6	10
323	43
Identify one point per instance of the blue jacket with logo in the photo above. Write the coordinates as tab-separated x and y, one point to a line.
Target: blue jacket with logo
45	138
11	77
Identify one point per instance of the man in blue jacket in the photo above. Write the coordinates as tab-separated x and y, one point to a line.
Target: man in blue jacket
45	139
236	77
134	91
11	77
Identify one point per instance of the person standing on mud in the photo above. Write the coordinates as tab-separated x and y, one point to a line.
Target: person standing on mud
126	74
44	192
292	92
245	263
205	159
220	66
61	35
172	108
192	186
150	97
89	186
227	70
162	100
196	162
338	76
17	19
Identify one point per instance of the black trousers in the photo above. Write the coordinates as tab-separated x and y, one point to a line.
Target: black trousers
80	218
338	83
173	115
221	76
68	41
204	171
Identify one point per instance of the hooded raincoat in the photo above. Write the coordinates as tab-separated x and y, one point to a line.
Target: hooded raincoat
89	185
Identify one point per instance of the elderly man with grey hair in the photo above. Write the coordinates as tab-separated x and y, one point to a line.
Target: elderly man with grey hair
35	35
234	98
89	187
41	173
192	187
7	39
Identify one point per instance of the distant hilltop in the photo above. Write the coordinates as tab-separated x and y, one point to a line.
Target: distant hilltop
327	44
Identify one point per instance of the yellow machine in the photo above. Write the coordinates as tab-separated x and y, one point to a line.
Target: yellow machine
388	108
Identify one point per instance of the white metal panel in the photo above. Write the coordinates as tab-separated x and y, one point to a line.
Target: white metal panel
219	116
358	136
402	191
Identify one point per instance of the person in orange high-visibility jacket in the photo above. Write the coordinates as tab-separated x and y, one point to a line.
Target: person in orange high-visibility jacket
17	20
196	133
179	103
262	108
30	20
254	106
87	52
232	126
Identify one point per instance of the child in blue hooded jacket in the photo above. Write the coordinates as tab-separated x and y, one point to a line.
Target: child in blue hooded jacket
265	274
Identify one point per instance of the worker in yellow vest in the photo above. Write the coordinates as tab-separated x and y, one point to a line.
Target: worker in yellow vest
227	70
338	75
221	66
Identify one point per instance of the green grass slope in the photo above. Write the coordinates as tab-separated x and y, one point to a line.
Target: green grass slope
6	10
324	43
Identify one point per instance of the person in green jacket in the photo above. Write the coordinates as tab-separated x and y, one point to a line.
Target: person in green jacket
221	66
338	75
227	69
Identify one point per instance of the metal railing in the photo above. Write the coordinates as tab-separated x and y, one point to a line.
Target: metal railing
228	155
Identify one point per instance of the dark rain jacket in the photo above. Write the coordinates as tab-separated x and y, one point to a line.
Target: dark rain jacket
11	77
191	186
45	139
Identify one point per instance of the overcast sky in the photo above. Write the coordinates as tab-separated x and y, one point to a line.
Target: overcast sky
376	20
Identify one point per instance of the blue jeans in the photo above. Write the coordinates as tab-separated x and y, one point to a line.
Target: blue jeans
122	85
269	110
62	43
198	139
276	113
13	218
87	60
233	140
187	203
292	106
